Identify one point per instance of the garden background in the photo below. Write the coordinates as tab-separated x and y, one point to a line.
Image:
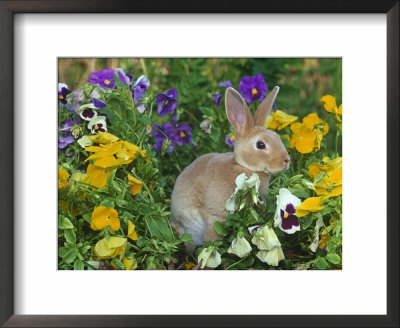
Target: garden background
146	241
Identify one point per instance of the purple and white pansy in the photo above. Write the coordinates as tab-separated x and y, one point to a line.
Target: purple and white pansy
98	124
63	91
87	112
285	215
138	90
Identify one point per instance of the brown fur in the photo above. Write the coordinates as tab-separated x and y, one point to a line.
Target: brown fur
202	189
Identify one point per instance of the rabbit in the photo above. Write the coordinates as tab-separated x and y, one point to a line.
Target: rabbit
202	189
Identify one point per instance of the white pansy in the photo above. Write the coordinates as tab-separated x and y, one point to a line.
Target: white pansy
87	111
98	124
211	258
264	238
242	183
85	142
240	247
271	257
315	242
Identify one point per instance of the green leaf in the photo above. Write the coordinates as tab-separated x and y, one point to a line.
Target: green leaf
107	203
159	227
62	251
70	236
321	263
111	177
78	265
118	264
87	217
333	258
70	256
300	193
306	222
220	228
187	238
64	223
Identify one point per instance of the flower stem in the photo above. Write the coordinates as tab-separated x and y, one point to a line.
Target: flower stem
143	66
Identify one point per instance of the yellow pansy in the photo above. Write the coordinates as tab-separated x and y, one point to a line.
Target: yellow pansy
107	249
308	135
325	239
279	120
130	263
135	183
131	231
97	175
76	178
312	204
103	138
104	216
63	176
330	105
189	265
327	178
104	155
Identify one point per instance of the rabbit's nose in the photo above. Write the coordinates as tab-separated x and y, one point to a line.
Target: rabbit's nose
286	160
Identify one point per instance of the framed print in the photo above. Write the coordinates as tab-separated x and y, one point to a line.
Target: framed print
142	95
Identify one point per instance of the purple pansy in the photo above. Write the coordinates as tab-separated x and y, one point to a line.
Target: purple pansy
105	77
177	134
253	88
75	100
285	215
98	103
139	88
161	133
63	91
167	103
183	134
217	99
230	141
225	84
66	137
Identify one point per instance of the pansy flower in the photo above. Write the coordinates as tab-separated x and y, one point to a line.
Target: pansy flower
230	141
253	88
107	249
135	183
129	262
98	124
217	99
63	91
330	105
87	111
327	177
279	120
316	241
97	175
285	215
131	231
103	217
240	247
167	103
85	142
167	131
205	125
225	84
210	256
312	204
65	141
63	176
183	134
105	77
264	237
138	90
103	138
74	100
242	183
272	257
307	136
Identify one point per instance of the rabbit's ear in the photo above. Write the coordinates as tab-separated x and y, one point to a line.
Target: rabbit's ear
237	111
264	110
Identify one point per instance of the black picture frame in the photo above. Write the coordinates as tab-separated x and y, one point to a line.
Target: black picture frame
7	197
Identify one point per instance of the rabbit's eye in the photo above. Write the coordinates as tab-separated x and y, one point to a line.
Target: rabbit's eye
260	145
